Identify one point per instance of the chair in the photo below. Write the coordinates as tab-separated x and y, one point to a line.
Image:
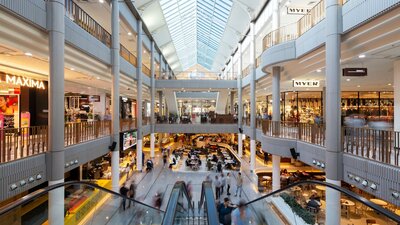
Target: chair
370	221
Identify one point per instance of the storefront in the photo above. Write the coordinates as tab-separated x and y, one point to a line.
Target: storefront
86	108
23	101
305	106
128	108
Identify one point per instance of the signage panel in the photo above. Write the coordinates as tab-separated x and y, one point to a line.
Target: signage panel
298	10
305	83
355	72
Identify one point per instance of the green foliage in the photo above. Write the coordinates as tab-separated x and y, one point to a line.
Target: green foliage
298	209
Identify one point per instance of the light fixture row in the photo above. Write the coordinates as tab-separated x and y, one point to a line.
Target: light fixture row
71	163
318	163
24	182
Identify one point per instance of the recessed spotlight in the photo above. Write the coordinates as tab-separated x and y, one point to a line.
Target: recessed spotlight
358	86
98	78
348	79
361	56
319	70
28	54
389	84
72	69
130	33
101	1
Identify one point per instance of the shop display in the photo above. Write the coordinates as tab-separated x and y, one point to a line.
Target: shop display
9	108
80	108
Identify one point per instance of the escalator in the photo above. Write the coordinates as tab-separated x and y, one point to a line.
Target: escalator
291	205
181	209
88	203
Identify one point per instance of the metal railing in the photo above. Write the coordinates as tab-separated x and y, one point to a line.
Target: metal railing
295	30
127	55
127	124
17	143
379	145
146	70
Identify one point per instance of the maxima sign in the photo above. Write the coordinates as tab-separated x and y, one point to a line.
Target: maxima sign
305	83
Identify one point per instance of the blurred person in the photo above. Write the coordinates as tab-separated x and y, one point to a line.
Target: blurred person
131	192
223	183
224	212
228	183
157	200
124	192
241	215
217	184
127	170
239	185
189	189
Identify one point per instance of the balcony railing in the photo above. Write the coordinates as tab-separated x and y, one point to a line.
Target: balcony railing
86	22
295	30
75	133
146	70
380	145
127	124
246	71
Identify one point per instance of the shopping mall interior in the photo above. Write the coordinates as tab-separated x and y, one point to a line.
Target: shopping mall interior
277	112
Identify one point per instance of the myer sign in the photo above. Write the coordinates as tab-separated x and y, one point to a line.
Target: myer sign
298	10
305	83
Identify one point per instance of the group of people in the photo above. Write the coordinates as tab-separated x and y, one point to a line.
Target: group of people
229	213
128	191
221	181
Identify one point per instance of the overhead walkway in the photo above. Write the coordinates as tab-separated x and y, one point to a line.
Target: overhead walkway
101	206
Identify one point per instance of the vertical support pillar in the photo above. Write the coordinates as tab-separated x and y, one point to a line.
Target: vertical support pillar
276	95
252	99
232	103
333	154
55	166
324	105
139	103
153	102
160	100
396	87
276	172
240	102
115	95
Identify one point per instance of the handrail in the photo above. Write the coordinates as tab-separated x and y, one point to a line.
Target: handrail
34	195
207	196
178	189
363	200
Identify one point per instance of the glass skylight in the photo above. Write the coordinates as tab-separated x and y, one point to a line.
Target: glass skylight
196	28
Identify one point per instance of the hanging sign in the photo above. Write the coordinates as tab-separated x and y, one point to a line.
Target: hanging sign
355	72
21	81
298	10
305	83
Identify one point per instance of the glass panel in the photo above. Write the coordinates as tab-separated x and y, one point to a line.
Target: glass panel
85	204
306	204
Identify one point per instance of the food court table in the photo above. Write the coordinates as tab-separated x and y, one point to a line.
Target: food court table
378	202
347	203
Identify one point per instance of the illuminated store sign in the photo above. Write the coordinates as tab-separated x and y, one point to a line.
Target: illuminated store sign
22	81
305	83
298	10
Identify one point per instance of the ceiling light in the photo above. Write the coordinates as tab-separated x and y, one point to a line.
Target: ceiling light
358	86
348	79
389	84
98	78
101	1
72	69
319	70
129	33
361	56
28	54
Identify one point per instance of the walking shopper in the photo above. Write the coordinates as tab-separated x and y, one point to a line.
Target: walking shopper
241	215
239	185
217	184
124	192
131	193
228	183
224	212
223	183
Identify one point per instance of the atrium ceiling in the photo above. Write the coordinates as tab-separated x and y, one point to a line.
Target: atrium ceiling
197	32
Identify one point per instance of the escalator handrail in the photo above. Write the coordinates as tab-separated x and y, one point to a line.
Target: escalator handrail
170	213
34	195
207	196
358	198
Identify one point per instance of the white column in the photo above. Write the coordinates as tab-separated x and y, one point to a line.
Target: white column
231	69
276	93
333	154
139	100
153	100
252	98
55	168
240	101
396	87
276	172
115	95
